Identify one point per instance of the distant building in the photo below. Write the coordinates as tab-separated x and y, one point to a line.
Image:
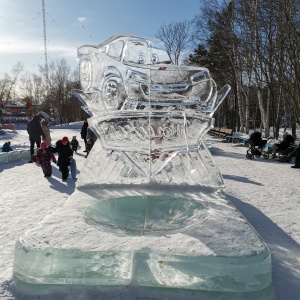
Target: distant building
14	114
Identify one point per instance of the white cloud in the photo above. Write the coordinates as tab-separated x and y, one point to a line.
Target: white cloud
31	46
82	19
21	46
31	52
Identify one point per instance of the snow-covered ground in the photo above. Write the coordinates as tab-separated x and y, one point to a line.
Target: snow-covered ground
267	192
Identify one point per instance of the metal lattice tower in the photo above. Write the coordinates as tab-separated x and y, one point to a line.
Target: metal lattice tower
45	40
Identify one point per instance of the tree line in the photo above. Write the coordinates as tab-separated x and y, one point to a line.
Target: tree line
49	91
253	45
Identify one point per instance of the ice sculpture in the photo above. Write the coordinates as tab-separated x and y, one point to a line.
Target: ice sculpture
149	209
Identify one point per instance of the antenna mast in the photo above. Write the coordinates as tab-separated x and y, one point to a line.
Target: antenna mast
45	41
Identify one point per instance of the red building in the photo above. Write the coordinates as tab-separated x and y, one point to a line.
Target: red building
14	114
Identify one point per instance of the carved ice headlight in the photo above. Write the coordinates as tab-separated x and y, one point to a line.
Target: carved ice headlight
137	76
200	76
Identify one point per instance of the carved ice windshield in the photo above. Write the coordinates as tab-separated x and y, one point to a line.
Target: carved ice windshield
145	52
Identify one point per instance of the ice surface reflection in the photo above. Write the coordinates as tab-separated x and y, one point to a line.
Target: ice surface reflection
146	215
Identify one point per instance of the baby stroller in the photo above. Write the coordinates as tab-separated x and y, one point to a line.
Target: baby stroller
257	145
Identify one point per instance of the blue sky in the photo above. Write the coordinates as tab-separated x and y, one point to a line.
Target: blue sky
72	23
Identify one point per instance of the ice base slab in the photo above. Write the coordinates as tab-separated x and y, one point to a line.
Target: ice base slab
168	237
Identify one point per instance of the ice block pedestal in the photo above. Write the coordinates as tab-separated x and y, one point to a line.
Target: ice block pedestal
186	238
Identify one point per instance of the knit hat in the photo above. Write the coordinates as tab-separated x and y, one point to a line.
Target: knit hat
43	145
64	140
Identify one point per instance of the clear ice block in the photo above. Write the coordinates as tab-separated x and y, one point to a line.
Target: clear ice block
188	238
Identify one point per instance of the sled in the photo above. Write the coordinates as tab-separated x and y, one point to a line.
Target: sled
73	168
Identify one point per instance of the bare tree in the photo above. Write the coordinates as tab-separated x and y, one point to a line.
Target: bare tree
56	93
176	36
291	71
31	85
52	93
9	82
261	40
216	27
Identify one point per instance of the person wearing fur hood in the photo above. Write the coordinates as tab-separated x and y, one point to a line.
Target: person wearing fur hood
46	129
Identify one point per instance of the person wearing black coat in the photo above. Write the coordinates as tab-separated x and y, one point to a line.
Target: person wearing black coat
91	139
35	132
288	140
83	132
65	154
6	147
296	154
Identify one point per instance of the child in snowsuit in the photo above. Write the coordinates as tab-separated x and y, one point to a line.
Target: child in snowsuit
44	156
65	154
74	144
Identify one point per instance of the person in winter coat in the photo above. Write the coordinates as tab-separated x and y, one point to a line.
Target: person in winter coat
6	147
65	154
35	132
44	156
296	154
288	140
46	129
83	132
91	139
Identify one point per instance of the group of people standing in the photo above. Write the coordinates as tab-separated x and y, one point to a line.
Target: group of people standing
39	136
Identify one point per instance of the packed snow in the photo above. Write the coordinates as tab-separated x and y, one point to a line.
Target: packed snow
266	191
